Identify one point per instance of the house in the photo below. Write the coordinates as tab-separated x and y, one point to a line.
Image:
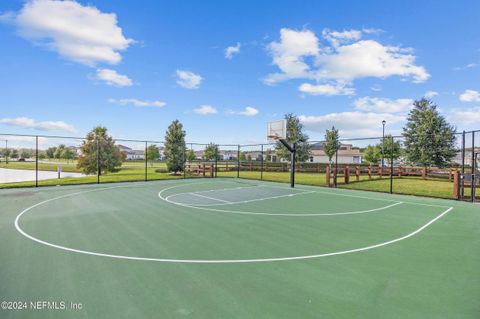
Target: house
228	155
254	155
346	154
131	154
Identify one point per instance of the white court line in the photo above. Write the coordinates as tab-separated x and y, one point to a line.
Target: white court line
232	203
222	189
336	192
220	200
207	208
208	261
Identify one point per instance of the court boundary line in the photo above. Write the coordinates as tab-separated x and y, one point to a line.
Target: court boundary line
232	203
209	261
334	191
240	212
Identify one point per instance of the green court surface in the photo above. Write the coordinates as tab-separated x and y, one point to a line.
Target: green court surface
233	248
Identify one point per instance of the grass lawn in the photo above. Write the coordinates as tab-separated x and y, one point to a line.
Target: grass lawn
129	172
401	185
135	171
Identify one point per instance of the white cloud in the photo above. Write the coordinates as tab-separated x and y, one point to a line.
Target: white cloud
248	111
466	116
470	96
430	94
337	37
138	103
25	141
188	80
26	122
376	87
79	33
468	66
232	50
111	77
351	124
369	58
205	110
326	89
289	54
346	58
384	105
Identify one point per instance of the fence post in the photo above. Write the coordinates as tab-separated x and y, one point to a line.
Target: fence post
261	168
347	174
98	162
456	185
357	173
391	166
370	171
238	161
146	161
185	162
36	161
472	190
327	175
463	159
336	169
217	154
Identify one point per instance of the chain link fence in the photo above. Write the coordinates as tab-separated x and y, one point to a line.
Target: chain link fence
381	164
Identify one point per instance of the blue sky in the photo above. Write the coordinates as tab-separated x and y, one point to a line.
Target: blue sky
225	69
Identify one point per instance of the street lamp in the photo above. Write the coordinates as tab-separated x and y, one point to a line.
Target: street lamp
383	140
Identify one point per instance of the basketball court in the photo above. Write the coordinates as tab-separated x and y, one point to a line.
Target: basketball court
206	247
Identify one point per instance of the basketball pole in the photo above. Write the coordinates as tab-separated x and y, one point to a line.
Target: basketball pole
293	152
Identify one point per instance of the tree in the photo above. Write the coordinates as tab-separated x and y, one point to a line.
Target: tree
390	148
331	144
191	155
295	134
211	152
24	153
153	153
243	157
109	155
175	147
68	154
372	154
429	138
14	153
50	152
59	151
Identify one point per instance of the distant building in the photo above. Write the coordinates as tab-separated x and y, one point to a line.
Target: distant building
131	154
346	154
468	156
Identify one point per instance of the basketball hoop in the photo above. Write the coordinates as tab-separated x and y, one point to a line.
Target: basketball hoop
277	131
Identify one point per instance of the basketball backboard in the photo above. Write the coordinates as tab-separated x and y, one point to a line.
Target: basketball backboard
277	130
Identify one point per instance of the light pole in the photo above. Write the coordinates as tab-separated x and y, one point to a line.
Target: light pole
383	140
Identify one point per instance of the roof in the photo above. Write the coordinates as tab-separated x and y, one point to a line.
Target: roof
352	152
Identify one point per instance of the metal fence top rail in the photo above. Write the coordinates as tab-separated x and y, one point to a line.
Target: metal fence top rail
204	144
